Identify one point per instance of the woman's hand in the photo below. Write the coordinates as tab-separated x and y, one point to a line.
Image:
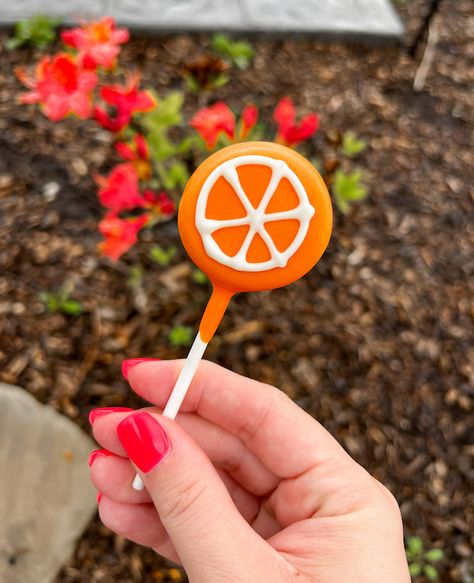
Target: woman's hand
244	486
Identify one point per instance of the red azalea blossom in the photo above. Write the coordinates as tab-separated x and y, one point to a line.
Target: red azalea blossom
119	234
249	118
162	202
212	121
127	100
119	190
97	42
60	86
138	154
289	132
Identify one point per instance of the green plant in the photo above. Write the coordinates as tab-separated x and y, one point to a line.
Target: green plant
352	145
38	31
347	188
239	53
60	302
205	73
175	176
420	561
199	277
162	256
181	336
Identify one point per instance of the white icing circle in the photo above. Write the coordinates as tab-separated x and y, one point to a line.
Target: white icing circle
255	217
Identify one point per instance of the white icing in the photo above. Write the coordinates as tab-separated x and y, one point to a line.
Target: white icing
180	389
255	218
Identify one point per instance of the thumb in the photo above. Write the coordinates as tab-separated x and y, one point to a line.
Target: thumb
207	530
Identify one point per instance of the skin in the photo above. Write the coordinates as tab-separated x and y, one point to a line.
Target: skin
253	489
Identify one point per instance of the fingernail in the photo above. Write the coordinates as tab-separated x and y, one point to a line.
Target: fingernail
99	497
98	453
101	411
144	440
130	362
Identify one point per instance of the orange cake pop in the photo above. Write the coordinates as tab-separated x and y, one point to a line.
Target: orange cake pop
253	216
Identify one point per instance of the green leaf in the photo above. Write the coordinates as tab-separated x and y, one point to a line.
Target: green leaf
199	277
415	545
166	114
220	81
162	256
240	53
14	42
160	146
415	569
159	121
181	336
434	555
352	145
430	572
60	302
347	188
71	307
175	176
38	31
187	144
50	301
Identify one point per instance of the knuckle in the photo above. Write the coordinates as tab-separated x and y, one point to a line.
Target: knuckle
233	463
250	426
388	500
180	501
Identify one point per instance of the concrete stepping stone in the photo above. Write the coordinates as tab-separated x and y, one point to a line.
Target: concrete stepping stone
364	20
46	498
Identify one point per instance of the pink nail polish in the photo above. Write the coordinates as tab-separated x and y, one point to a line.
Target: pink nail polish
129	362
144	440
101	411
99	497
98	453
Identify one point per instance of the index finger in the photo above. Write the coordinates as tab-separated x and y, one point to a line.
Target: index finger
285	438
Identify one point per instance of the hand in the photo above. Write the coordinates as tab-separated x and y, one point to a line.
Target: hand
244	486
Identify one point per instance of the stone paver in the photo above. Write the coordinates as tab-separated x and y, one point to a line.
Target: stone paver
362	19
46	498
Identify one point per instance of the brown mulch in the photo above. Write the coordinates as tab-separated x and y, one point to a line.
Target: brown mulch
376	342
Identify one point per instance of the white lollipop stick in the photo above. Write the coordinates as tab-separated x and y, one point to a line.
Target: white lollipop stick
180	389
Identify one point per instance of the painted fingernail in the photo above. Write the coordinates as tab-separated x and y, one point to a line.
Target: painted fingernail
99	497
98	453
130	362
101	411
144	440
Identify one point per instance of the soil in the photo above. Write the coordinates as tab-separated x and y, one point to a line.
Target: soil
376	342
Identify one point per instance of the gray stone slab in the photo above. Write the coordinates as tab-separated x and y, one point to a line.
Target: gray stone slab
351	19
46	498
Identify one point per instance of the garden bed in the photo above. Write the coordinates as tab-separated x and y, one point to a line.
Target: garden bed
375	342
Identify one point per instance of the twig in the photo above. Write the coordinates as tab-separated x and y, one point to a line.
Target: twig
433	9
428	55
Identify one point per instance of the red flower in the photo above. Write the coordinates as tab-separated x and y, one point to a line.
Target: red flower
119	190
161	202
120	234
212	121
289	132
136	151
248	118
138	154
127	100
60	86
97	42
